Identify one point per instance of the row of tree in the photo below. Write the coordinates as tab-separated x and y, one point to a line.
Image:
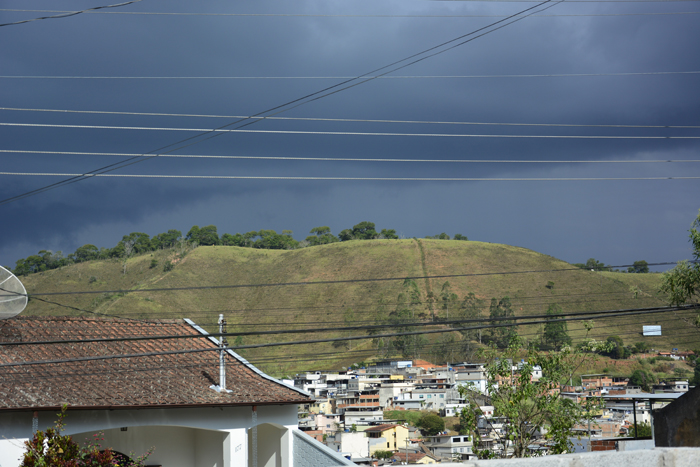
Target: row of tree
464	314
139	242
638	267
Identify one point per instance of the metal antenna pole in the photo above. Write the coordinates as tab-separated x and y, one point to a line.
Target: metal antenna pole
222	353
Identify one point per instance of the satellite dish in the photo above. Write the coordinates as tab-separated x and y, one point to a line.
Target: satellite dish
13	295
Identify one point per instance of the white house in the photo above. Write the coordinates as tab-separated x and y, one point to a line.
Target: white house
115	377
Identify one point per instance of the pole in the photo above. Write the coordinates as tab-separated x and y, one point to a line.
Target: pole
222	353
634	407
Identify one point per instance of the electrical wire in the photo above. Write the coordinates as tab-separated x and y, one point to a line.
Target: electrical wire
288	343
325	92
550	75
343	120
66	14
345	281
370	179
335	133
585	315
360	159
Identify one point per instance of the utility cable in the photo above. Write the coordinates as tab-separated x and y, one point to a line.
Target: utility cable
325	92
360	159
549	75
65	14
281	344
370	179
581	315
344	281
334	133
342	120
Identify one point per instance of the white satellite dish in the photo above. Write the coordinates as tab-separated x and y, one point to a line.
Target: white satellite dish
13	295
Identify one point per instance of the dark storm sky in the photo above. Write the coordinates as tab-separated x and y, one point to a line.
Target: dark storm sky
608	64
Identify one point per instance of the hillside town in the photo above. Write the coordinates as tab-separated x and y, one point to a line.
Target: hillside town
347	414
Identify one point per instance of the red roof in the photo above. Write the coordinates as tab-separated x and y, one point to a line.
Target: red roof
176	380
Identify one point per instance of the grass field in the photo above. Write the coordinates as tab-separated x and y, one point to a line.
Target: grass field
251	288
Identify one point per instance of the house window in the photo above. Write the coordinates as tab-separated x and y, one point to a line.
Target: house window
456	440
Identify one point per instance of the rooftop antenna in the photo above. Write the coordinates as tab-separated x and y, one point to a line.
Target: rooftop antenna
221	387
13	295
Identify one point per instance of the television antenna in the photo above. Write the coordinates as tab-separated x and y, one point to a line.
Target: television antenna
13	295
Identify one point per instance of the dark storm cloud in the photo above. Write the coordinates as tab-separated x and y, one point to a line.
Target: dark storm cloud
617	222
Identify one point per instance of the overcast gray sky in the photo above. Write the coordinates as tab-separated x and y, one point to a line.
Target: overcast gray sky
621	70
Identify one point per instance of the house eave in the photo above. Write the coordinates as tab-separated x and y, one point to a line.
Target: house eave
150	406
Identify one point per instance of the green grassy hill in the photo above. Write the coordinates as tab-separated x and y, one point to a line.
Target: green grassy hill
267	306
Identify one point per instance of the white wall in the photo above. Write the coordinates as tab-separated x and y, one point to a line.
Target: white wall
230	422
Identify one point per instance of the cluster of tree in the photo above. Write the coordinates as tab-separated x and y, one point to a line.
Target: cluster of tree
139	242
133	243
444	236
430	424
526	406
638	267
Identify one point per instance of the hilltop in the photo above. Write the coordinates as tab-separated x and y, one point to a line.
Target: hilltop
532	281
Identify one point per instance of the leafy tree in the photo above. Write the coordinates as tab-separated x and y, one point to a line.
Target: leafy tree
430	424
449	300
86	253
389	234
381	454
442	236
501	312
460	237
643	378
166	240
470	309
208	236
528	406
345	235
682	283
643	430
407	303
140	242
364	231
233	240
322	236
641	347
593	264
555	334
639	267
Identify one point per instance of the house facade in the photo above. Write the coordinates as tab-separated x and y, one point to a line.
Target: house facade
168	393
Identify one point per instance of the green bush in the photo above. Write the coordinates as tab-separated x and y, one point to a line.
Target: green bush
168	266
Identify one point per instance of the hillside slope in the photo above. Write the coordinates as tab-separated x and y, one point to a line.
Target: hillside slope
532	280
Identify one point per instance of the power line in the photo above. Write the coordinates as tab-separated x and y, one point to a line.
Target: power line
311	341
325	92
358	159
66	14
381	77
351	120
370	179
585	315
339	281
332	133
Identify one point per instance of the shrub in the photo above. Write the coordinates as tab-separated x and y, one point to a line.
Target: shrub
51	448
168	266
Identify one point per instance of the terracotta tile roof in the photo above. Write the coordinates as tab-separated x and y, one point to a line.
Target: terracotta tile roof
413	457
178	380
381	428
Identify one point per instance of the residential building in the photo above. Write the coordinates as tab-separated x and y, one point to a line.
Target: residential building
387	437
171	394
450	446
